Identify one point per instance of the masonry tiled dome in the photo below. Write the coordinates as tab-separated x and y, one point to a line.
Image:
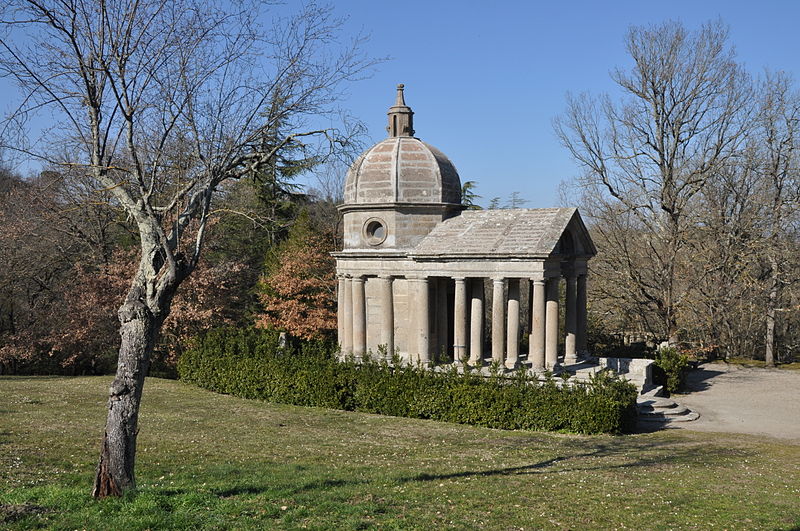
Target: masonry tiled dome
398	190
402	169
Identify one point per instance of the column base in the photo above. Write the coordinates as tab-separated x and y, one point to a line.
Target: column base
511	364
571	360
459	356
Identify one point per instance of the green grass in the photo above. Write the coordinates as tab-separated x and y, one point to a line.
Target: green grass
208	461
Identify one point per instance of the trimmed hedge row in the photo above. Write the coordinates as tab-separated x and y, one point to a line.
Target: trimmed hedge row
252	363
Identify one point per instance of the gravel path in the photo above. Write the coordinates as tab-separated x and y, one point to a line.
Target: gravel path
733	399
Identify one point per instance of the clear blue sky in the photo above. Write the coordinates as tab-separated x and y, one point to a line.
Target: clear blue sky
485	79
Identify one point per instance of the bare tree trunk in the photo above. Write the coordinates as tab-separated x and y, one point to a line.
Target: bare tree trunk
123	63
118	451
673	338
769	340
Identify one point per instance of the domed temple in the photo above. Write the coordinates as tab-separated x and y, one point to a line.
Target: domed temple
421	276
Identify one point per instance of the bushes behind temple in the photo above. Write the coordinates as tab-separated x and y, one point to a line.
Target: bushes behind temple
251	363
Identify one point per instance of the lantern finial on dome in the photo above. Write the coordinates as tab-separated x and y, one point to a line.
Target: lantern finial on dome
401	117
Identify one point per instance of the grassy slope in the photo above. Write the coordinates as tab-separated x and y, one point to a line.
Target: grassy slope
215	462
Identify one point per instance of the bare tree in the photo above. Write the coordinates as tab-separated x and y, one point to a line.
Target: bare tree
646	157
723	313
159	102
777	129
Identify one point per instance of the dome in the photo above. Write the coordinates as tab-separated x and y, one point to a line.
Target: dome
402	168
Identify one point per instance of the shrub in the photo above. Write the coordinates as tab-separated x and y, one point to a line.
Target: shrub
675	365
251	363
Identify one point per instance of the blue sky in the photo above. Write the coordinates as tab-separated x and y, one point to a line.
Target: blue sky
485	79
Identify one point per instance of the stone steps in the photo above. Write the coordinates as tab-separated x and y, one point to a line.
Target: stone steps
653	408
659	409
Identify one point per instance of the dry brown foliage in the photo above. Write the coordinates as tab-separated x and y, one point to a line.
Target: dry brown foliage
299	294
81	332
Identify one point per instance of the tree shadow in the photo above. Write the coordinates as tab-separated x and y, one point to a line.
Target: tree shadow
652	427
239	490
237	487
687	455
515	470
698	380
307	487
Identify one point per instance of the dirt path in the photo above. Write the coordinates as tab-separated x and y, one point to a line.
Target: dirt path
744	400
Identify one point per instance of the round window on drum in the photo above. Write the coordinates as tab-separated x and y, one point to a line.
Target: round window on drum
375	231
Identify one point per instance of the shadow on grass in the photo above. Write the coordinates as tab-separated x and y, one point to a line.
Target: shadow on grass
652	427
514	470
635	456
308	487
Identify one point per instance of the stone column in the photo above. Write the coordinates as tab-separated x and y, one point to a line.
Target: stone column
442	326
460	321
512	330
347	320
537	337
422	309
498	320
340	310
359	318
551	324
387	315
476	323
570	320
583	321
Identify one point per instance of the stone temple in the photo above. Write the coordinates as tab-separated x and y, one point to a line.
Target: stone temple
424	277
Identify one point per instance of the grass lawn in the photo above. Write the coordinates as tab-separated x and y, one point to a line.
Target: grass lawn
208	461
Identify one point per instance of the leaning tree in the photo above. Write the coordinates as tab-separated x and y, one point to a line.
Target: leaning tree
160	102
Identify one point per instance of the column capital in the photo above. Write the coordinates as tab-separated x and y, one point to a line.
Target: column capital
386	277
498	280
538	281
359	278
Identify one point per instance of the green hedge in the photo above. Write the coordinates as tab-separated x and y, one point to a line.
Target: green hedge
675	365
251	363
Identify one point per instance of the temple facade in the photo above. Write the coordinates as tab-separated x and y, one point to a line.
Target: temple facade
421	276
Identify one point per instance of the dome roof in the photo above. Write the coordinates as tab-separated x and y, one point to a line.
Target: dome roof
402	168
